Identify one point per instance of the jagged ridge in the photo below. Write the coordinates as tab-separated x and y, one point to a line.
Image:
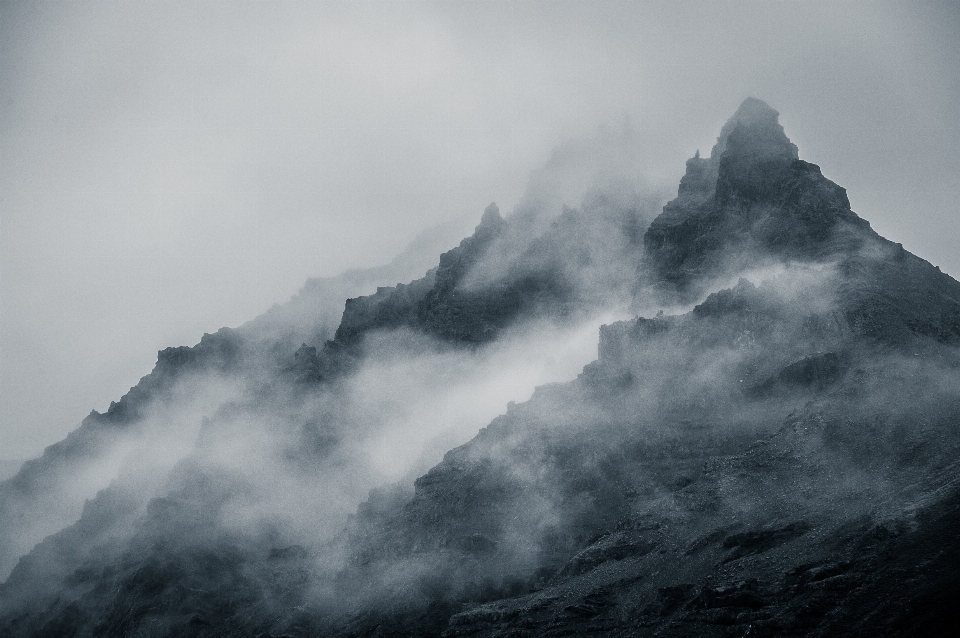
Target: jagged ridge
775	461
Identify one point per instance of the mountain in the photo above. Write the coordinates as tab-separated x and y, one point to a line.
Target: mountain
158	420
777	456
8	468
781	459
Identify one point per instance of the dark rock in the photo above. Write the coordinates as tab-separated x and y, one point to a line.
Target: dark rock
754	200
757	542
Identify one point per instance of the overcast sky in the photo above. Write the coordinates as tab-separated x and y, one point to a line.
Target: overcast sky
167	169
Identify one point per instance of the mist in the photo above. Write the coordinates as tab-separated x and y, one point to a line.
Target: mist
172	168
229	427
719	387
433	405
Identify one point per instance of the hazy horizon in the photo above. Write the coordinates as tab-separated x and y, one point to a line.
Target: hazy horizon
172	168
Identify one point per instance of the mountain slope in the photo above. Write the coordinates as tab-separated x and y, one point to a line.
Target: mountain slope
286	435
710	469
779	459
162	414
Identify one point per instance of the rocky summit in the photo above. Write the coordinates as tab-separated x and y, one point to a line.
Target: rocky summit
772	453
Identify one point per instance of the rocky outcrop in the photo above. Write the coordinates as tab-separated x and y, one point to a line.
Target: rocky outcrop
585	260
752	201
421	303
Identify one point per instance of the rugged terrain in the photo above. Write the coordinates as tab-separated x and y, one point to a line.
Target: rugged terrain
776	455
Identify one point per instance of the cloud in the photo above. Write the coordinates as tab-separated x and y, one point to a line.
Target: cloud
172	168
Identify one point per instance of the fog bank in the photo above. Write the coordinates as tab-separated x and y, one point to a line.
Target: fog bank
171	168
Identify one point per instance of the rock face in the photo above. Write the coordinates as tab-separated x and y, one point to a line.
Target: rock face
752	200
434	303
586	259
779	460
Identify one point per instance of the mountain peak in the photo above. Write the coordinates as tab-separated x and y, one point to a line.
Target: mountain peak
491	214
754	130
753	199
754	110
491	223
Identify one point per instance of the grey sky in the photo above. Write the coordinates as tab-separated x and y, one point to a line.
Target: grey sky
167	169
